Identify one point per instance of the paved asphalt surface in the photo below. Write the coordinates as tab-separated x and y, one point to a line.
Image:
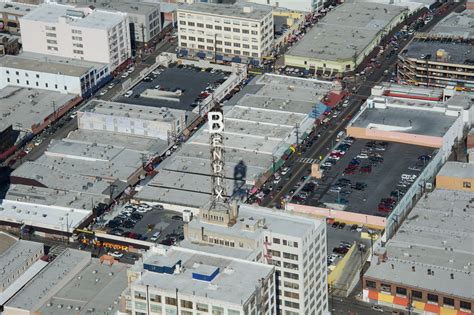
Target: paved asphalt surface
328	132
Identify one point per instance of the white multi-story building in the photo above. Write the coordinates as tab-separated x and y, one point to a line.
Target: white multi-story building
85	34
181	281
228	31
296	246
52	73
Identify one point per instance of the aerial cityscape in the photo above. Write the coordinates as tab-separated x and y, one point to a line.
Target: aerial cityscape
236	157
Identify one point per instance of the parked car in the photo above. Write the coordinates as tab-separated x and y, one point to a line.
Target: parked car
128	93
116	254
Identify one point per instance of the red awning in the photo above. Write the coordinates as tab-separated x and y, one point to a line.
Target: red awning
373	295
400	301
432	308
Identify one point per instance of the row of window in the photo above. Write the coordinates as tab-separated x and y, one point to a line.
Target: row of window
220	21
27	82
417	295
285	242
219	28
218	49
200	307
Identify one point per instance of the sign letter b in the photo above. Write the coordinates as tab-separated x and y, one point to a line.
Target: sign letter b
216	122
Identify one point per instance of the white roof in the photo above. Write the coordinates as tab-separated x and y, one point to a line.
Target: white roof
85	17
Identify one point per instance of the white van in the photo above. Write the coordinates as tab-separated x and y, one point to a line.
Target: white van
155	236
340	135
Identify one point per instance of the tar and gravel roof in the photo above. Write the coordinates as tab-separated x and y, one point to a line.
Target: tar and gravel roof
14	253
22	107
456	24
235	283
438	235
457	169
15	8
129	7
236	10
95	287
348	29
97	19
49	64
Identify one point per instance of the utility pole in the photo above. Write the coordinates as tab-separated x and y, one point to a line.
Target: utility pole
143	38
215	48
297	129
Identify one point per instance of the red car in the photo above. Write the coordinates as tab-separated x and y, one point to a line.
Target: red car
385	208
366	169
349	171
21	154
11	162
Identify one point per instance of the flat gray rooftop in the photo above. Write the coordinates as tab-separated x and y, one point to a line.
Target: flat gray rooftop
130	7
51	12
52	197
15	8
345	30
45	65
133	111
22	107
437	235
97	287
459	53
411	121
275	221
456	24
236	10
15	255
457	169
48	280
6	241
131	142
235	282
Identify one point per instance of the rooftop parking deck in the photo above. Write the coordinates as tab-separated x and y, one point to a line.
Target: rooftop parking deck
191	81
382	179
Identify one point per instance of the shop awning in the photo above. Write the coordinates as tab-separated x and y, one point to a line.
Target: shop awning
219	57
183	52
433	308
254	62
236	59
400	301
201	55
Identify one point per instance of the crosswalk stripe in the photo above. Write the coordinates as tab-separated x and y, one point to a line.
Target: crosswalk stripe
307	160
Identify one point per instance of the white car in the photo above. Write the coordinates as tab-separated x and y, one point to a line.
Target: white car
276	180
130	70
285	170
157	87
345	104
116	254
103	92
111	85
128	94
377	308
124	75
362	156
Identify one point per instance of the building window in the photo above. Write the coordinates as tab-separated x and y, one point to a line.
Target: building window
218	28
50	35
202	307
50	28
216	310
416	295
276	240
17	72
466	184
17	81
186	304
232	312
37	76
401	291
65	87
8	79
370	284
465	305
448	301
51	41
46	84
80	52
385	287
52	48
209	26
182	22
191	23
432	298
236	30
27	82
76	31
170	301
77	45
55	86
77	38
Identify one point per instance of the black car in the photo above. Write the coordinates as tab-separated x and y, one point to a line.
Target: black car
129	224
177	218
335	224
136	216
341	225
113	224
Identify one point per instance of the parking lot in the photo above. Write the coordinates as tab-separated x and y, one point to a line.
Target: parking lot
359	187
143	225
191	81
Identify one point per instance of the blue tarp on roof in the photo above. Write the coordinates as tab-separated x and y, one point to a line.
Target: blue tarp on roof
318	111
